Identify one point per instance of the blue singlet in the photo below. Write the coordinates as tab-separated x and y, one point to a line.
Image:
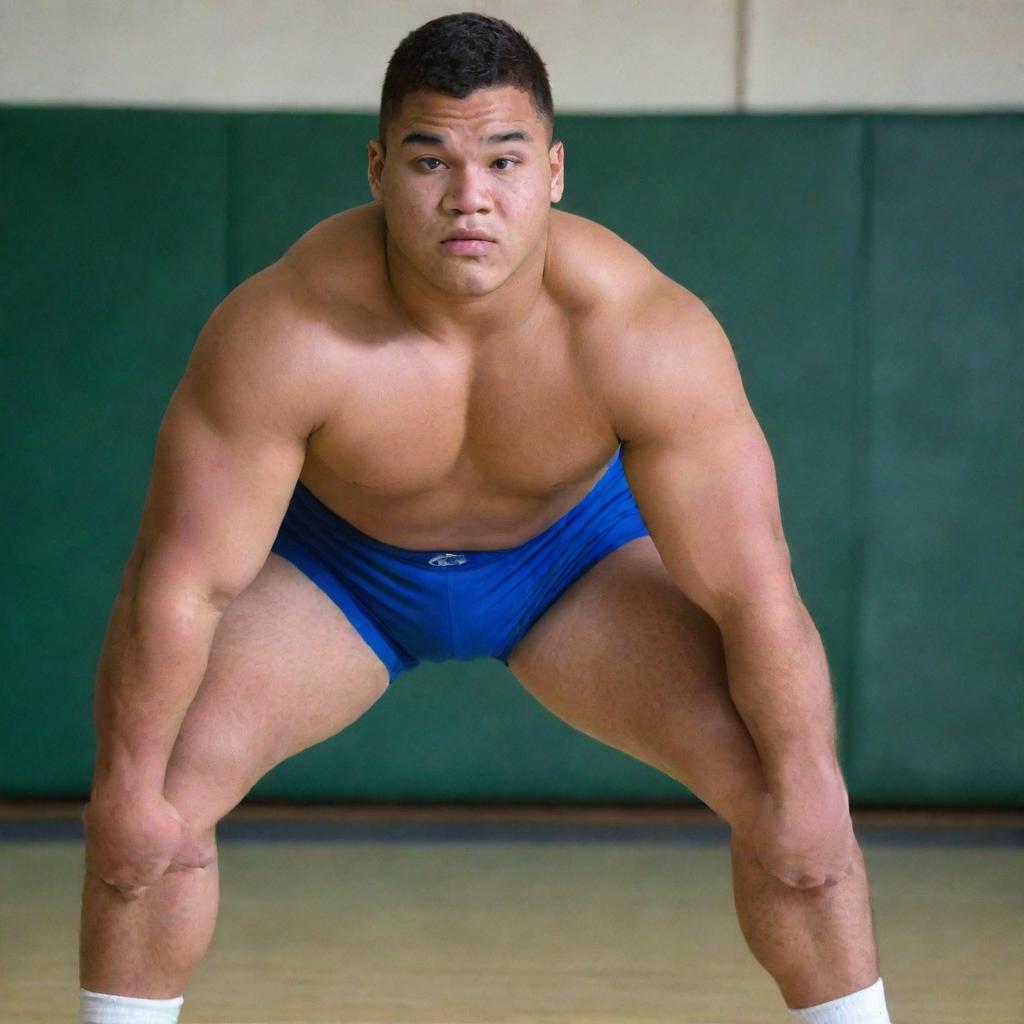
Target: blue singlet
412	606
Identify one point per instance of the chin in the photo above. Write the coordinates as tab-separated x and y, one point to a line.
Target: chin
468	282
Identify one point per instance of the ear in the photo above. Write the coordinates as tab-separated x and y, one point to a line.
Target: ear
375	155
556	160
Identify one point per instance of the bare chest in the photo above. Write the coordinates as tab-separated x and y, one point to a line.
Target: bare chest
475	451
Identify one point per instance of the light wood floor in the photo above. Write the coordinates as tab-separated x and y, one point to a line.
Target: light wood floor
633	932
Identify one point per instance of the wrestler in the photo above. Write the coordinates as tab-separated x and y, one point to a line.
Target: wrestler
456	423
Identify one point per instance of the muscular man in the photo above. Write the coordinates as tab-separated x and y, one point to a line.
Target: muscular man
419	435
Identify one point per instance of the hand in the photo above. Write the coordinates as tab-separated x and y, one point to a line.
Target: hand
805	839
132	842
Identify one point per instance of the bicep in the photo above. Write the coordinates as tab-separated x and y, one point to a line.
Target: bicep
215	500
703	476
229	450
713	515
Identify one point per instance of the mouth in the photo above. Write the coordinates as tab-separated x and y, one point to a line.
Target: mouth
468	246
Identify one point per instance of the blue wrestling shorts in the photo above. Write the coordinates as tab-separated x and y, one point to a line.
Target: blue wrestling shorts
413	606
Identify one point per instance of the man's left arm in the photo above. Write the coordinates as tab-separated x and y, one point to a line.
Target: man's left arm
703	477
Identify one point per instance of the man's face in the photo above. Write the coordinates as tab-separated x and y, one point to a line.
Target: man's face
480	164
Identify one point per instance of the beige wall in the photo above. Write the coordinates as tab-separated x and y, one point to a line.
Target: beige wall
602	55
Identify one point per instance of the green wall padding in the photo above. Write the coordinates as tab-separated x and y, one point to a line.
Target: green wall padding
938	712
111	258
863	266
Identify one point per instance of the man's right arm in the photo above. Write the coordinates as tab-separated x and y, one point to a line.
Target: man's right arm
229	450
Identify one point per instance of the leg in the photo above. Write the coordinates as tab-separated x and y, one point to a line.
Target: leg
286	670
625	657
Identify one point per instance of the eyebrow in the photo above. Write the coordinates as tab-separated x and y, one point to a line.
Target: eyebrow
436	140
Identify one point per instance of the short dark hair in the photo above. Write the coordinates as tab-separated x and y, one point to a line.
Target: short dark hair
459	53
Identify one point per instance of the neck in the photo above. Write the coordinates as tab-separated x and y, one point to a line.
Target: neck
452	317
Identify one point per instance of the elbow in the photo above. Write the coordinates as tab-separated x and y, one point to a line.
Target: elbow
175	584
170	608
771	600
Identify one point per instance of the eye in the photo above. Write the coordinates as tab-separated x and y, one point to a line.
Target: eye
506	160
434	158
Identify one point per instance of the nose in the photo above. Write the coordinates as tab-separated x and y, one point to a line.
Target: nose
467	192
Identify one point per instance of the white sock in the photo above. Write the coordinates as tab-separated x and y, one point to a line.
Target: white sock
864	1007
97	1008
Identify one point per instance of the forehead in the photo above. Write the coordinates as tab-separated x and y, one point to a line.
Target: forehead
502	106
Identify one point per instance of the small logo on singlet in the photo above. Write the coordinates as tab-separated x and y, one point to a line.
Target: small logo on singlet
448	558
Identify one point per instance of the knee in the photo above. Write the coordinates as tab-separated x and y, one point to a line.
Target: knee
738	797
201	804
204	781
131	846
808	857
190	798
742	809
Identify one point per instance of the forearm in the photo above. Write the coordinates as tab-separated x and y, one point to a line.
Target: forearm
779	681
153	660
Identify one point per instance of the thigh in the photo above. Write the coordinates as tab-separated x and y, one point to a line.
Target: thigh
286	670
626	657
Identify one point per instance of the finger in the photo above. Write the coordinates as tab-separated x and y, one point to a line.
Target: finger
183	865
806	881
133	878
192	854
205	852
194	851
127	890
789	880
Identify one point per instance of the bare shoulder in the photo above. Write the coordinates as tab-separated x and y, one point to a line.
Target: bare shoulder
261	357
672	374
652	346
340	264
608	277
590	266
